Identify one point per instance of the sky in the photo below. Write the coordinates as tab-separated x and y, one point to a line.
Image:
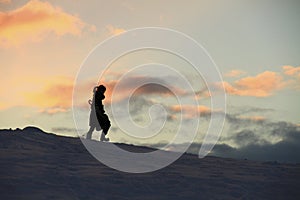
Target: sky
255	44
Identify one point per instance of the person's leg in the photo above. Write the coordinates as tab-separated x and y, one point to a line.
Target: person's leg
105	124
103	134
89	133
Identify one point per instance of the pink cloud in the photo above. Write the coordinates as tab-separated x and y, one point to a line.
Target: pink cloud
34	21
261	85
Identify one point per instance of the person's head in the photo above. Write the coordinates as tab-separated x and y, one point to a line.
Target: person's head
101	88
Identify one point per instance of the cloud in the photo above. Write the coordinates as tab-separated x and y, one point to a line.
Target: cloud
261	85
235	73
246	137
48	94
294	74
5	1
114	30
138	103
291	71
253	147
250	110
264	129
239	122
202	94
34	21
253	118
148	86
189	108
53	110
153	88
191	111
56	96
284	151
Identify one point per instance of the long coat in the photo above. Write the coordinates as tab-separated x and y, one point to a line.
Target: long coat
98	118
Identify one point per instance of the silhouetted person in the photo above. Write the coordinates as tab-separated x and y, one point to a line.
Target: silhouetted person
98	118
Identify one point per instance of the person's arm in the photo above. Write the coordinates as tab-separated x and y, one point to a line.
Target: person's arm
95	89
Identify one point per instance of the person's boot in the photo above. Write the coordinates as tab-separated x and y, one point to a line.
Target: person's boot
103	138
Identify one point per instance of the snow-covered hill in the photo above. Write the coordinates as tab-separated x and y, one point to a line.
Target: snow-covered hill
39	165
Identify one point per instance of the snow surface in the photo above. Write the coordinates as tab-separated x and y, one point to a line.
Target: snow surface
38	165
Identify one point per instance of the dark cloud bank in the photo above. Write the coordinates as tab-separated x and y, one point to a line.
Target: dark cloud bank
253	148
261	140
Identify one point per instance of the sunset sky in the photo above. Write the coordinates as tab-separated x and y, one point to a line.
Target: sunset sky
255	44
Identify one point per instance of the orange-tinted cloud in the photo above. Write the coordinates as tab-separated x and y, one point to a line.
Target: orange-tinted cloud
34	21
261	85
294	75
148	89
201	94
188	108
53	110
191	111
253	118
5	1
114	30
57	94
291	71
235	73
